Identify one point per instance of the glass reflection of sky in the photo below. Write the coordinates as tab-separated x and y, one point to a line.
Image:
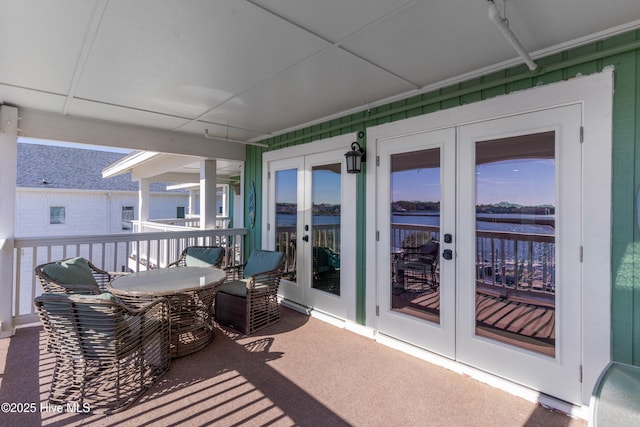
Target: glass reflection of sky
326	187
286	186
421	185
325	183
527	182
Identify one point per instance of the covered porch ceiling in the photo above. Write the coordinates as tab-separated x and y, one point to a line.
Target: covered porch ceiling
244	70
172	168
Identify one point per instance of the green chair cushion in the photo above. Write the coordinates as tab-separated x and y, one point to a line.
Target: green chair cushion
202	257
261	261
234	287
239	288
73	271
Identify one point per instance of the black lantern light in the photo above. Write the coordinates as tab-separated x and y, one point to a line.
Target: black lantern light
355	157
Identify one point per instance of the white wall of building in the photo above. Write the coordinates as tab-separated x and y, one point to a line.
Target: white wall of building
86	212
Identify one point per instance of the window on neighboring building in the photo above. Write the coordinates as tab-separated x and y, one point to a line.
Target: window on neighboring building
127	217
57	215
180	212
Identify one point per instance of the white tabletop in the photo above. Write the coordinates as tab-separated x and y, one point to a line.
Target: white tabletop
168	280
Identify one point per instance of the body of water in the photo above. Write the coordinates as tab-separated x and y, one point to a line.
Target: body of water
492	222
289	220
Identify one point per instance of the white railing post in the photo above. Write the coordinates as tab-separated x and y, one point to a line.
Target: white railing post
8	171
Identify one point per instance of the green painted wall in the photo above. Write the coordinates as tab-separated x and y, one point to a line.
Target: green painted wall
621	52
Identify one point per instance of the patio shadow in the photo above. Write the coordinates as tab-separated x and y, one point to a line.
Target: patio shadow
229	382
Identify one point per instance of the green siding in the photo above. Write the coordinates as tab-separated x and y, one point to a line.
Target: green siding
622	52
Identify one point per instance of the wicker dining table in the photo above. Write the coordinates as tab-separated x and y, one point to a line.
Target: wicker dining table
190	291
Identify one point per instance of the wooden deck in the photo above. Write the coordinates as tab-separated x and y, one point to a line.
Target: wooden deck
521	322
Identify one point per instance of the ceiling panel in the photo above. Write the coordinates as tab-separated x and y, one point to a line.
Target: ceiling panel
31	99
543	23
184	60
333	19
330	82
247	68
41	42
433	41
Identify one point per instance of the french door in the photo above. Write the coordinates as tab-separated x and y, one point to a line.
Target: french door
417	183
479	253
311	217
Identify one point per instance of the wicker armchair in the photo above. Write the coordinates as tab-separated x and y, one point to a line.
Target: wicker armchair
248	300
72	276
106	354
200	256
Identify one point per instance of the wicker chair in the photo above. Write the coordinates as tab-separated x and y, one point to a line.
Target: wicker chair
200	256
248	300
106	354
72	276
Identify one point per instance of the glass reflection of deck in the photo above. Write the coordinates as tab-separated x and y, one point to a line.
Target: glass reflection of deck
515	285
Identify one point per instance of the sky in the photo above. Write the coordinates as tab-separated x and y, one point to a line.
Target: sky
72	145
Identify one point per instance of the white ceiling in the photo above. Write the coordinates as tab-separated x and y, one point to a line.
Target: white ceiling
246	69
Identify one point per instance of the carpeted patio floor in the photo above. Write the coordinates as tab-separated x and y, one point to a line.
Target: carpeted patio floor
301	372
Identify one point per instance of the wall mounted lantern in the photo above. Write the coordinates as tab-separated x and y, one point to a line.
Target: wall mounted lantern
355	157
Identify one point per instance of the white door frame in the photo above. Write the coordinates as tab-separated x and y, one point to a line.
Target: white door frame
348	219
595	93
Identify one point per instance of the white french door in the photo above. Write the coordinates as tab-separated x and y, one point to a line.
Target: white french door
417	286
520	290
479	251
311	217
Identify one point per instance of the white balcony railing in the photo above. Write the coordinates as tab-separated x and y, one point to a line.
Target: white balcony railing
191	222
112	252
326	235
507	263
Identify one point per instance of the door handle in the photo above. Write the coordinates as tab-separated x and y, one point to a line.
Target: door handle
305	237
447	254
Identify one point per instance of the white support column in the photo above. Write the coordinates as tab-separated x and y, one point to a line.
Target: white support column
192	203
208	194
144	199
8	171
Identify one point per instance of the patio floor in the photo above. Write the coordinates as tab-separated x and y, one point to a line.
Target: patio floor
300	371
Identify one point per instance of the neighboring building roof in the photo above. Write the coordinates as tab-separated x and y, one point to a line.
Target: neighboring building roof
48	166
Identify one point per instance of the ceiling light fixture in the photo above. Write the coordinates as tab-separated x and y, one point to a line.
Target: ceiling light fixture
238	141
503	25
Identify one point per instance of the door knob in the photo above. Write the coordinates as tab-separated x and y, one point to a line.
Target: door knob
305	237
447	254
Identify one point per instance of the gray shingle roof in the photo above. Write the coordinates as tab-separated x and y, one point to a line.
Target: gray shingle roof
71	168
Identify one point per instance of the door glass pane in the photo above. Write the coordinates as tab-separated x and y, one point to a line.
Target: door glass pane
415	233
515	241
287	218
326	211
